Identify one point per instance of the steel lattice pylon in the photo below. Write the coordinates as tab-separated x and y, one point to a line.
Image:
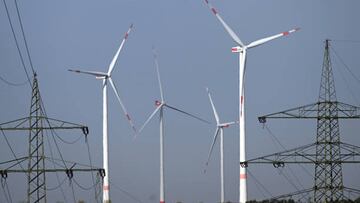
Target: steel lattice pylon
36	124
36	160
327	153
328	173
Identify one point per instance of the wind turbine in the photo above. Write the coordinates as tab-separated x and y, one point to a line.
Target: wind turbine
242	49
106	77
160	105
219	128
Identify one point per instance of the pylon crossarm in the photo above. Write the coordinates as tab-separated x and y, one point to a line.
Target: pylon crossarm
60	162
13	160
296	155
345	111
350	148
306	111
301	155
352	190
14	123
49	170
348	110
12	163
49	124
290	195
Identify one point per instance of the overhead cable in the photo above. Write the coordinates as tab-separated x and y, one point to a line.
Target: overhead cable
17	43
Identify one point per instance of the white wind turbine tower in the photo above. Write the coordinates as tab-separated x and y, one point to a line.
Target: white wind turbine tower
242	49
219	128
160	105
106	77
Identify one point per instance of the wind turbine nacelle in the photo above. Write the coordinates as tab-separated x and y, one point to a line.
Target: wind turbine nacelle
157	103
100	77
236	49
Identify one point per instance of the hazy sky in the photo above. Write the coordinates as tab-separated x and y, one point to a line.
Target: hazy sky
194	53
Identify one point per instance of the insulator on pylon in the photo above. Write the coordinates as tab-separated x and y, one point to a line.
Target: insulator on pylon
85	130
279	164
4	174
69	173
262	119
244	164
102	173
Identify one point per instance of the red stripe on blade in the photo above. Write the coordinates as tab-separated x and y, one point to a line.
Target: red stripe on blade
214	11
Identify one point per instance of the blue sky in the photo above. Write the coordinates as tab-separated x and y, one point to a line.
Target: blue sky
194	53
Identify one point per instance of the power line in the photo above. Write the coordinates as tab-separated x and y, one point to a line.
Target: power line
12	83
283	173
57	146
72	190
84	187
347	84
126	192
56	173
5	194
91	165
11	149
57	186
6	190
16	42
66	141
258	183
3	189
23	34
284	148
42	107
347	67
325	153
345	40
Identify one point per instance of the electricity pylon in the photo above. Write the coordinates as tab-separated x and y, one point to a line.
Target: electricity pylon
328	153
36	124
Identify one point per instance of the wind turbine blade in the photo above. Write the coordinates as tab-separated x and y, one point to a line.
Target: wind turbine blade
227	28
267	39
150	117
122	106
213	107
231	123
228	124
113	62
94	73
158	74
186	113
212	146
